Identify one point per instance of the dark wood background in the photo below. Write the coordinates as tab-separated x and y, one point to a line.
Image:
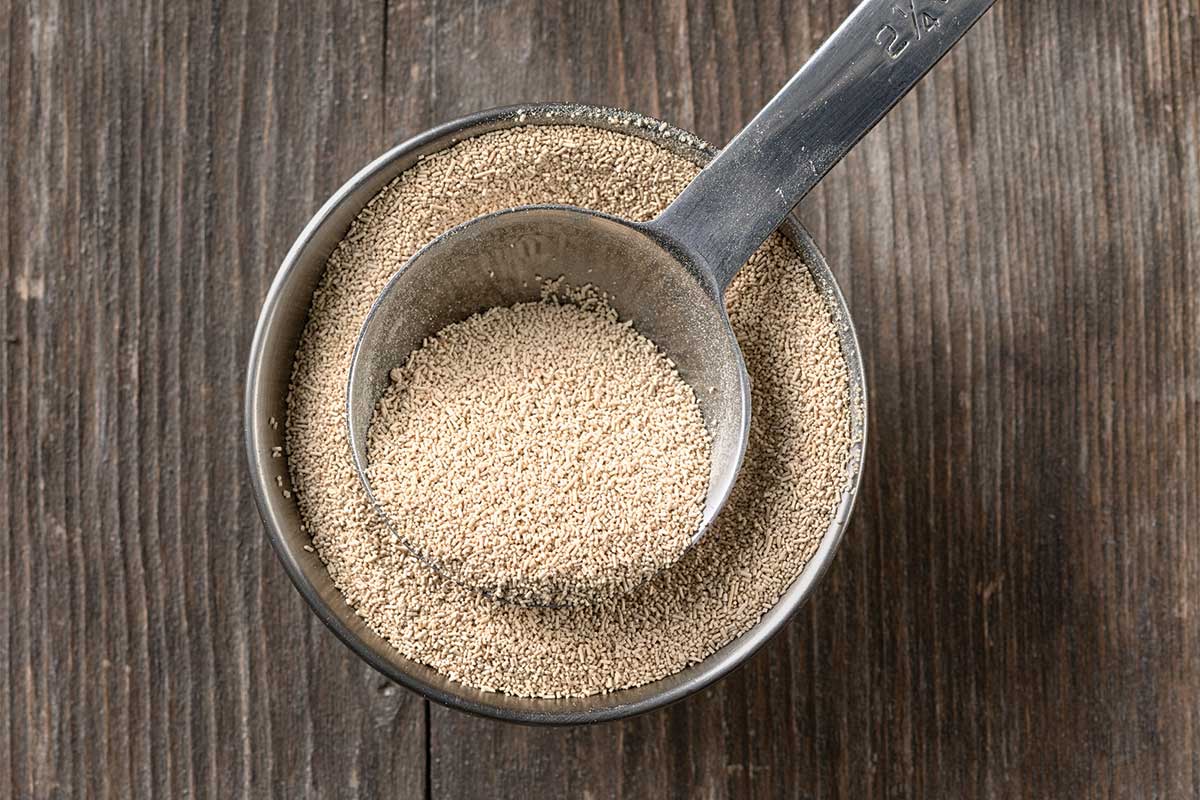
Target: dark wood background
1015	610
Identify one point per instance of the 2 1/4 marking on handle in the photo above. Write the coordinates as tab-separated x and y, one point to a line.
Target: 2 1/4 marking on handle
921	22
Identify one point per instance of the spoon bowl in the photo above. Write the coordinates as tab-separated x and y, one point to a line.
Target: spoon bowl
505	258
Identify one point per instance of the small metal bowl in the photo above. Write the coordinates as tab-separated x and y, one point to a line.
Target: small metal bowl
284	314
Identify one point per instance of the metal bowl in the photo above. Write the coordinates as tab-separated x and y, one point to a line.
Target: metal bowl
284	314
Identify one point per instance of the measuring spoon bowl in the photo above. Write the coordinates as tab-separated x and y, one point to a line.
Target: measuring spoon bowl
506	258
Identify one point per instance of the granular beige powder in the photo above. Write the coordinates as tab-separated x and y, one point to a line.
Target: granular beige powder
784	501
543	453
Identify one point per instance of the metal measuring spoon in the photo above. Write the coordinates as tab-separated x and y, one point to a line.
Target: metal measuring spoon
668	275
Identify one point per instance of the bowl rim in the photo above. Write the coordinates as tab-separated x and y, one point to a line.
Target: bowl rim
692	678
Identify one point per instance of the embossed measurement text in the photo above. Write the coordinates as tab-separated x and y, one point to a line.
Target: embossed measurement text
911	24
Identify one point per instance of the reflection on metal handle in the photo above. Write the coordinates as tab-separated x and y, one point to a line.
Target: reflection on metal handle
848	85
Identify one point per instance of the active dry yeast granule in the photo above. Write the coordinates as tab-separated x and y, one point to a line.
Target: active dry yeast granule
784	500
545	453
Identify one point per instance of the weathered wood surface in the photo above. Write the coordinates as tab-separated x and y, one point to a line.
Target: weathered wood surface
1015	610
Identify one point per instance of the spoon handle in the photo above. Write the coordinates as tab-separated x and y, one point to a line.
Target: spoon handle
848	86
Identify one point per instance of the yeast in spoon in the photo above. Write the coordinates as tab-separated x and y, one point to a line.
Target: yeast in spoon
545	453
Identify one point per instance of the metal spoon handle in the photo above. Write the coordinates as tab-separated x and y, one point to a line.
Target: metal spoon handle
848	86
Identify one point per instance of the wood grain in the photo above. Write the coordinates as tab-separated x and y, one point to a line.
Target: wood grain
158	158
1014	612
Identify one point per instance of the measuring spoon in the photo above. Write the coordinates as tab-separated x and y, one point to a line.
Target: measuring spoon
667	275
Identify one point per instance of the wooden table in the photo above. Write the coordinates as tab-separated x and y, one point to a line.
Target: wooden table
1015	612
